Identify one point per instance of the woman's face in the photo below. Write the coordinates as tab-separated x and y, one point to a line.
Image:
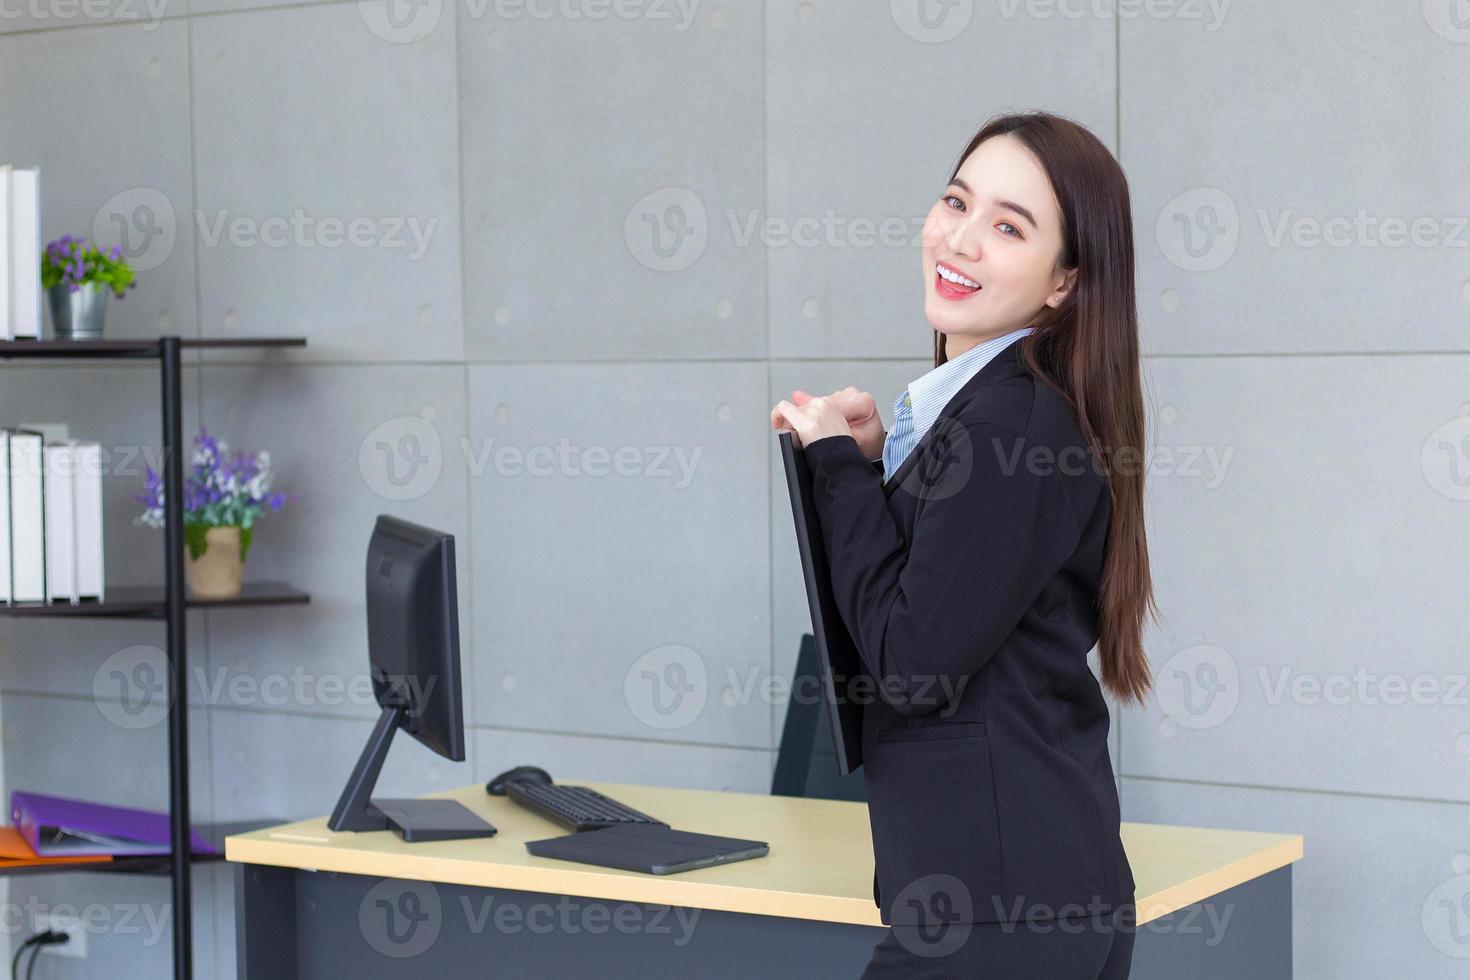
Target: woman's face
999	226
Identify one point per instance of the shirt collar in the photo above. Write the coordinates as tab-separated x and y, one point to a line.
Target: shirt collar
928	395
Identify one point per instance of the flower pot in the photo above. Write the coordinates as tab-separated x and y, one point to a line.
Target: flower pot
217	572
78	315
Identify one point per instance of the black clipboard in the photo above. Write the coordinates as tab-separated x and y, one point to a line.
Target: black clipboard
837	654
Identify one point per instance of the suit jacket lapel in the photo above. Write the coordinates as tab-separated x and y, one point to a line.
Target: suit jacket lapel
1003	365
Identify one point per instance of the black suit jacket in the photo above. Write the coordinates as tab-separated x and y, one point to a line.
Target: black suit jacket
969	583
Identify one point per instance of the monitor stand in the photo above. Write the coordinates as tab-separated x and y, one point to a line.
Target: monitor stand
414	820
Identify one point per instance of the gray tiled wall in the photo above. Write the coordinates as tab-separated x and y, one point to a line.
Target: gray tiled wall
554	270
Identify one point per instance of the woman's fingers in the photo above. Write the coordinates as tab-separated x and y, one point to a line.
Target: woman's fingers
857	406
783	414
793	418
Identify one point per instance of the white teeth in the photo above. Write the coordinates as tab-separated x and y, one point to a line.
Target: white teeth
956	277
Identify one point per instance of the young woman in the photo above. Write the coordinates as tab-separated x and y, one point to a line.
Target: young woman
1003	540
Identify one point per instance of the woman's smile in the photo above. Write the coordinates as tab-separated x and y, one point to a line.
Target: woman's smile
952	284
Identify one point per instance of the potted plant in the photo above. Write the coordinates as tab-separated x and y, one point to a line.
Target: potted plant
77	277
224	495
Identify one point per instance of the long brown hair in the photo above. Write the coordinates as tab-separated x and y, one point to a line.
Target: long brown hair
1087	349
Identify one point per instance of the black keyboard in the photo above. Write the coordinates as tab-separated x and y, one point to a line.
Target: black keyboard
575	807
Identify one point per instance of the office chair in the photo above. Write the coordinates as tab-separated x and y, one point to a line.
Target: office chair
806	764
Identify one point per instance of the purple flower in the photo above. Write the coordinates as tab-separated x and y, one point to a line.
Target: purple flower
115	253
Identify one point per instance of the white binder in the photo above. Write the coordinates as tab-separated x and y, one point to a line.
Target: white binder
4	515
20	253
61	539
27	517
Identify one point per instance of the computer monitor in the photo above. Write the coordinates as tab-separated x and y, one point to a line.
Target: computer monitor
413	657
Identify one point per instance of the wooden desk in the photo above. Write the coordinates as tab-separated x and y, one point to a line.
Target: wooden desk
315	903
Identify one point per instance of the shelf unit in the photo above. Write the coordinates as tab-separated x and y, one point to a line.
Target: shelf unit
148	864
166	603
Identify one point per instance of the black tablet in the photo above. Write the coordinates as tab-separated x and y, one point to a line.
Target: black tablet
837	654
650	848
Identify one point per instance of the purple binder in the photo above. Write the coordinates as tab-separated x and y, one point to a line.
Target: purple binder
55	826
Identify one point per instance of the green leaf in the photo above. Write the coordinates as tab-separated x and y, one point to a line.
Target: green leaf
194	538
246	533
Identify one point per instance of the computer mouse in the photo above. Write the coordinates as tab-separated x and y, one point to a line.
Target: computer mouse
535	774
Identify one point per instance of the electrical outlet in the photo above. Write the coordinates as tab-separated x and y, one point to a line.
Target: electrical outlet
74	948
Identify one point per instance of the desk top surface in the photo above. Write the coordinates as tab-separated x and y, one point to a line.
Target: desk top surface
820	865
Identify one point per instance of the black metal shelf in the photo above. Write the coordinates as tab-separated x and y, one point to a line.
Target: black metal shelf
160	864
146	864
122	349
168	606
150	602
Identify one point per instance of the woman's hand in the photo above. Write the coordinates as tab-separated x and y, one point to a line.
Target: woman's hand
857	407
815	419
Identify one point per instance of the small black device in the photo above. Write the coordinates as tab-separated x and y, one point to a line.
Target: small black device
651	848
576	808
413	655
837	653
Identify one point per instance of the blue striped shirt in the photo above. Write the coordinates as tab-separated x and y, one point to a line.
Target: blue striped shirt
916	410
